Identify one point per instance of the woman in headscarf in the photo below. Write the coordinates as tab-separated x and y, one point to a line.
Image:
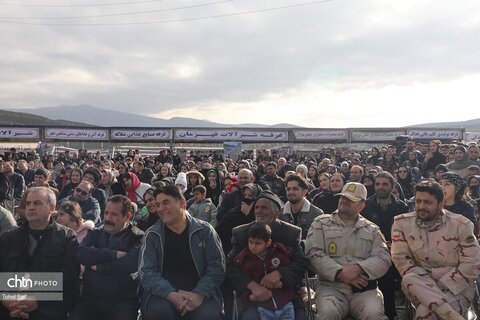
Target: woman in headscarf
388	162
454	187
412	161
326	200
313	175
135	189
473	183
324	180
148	216
368	180
376	158
213	184
404	178
110	185
433	157
76	177
227	182
461	162
194	178
165	172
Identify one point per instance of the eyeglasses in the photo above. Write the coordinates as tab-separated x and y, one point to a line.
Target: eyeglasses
84	193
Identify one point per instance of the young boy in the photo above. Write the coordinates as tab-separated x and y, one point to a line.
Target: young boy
202	208
261	257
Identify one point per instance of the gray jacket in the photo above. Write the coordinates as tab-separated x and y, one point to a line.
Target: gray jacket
305	217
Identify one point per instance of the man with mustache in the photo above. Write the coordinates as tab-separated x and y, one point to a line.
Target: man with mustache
109	255
437	255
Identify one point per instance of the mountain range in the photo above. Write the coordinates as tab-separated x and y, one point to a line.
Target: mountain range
87	115
95	116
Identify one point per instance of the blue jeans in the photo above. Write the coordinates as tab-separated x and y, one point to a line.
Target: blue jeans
285	313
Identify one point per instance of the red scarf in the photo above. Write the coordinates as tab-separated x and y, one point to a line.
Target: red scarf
132	195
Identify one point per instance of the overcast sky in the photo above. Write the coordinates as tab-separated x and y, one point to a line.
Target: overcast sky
339	63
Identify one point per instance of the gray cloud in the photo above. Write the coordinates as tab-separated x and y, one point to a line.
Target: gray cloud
340	45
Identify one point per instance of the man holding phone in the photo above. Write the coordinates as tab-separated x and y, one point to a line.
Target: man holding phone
298	210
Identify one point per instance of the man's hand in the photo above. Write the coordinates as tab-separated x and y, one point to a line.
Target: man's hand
349	273
121	254
272	280
359	283
192	301
20	309
177	299
94	268
259	293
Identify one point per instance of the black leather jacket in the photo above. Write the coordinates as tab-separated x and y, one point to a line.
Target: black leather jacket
55	252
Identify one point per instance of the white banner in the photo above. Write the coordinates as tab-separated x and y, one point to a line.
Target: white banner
140	134
471	136
320	135
435	134
76	134
19	133
358	136
227	135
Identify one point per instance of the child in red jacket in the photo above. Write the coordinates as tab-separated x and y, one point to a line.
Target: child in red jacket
261	257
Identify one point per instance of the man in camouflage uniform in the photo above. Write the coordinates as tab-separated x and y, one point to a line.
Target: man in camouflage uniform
348	253
437	254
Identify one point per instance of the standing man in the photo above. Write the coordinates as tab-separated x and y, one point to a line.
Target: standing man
381	209
437	255
298	210
110	257
267	210
181	263
40	245
348	253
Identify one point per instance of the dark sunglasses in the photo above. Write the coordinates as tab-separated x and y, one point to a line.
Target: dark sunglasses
85	193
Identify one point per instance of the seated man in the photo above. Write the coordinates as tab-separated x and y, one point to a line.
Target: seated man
110	255
267	210
348	253
40	245
437	255
181	264
83	196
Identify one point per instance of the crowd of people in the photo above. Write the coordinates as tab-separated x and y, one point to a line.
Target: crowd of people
175	238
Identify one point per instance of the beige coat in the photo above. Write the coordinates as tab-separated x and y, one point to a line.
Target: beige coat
448	251
330	245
